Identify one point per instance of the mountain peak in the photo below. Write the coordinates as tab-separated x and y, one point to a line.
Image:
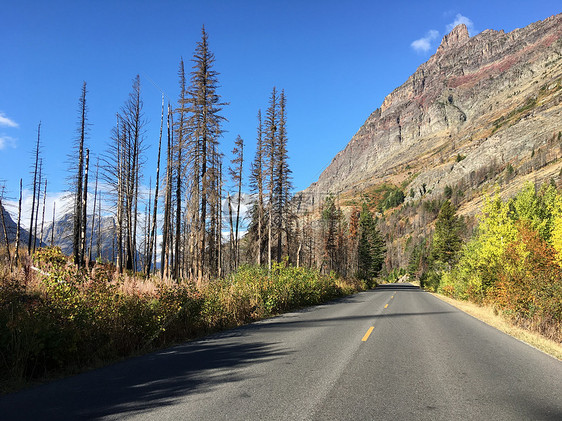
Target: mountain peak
457	37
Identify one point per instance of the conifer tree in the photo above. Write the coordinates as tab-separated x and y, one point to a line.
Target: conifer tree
330	217
446	238
204	130
371	247
78	180
181	132
282	180
270	148
257	188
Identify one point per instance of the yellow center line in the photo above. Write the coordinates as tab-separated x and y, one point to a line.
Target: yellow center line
392	297
386	306
367	334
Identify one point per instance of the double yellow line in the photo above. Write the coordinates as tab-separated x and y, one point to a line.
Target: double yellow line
366	336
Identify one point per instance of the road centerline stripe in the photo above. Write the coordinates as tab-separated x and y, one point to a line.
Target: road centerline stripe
367	334
386	305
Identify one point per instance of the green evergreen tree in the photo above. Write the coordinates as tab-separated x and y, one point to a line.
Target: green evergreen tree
371	249
446	238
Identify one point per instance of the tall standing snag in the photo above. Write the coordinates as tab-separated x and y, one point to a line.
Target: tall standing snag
204	130
34	188
257	188
272	121
84	210
152	235
78	182
236	175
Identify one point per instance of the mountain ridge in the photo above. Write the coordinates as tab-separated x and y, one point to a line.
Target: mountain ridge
453	104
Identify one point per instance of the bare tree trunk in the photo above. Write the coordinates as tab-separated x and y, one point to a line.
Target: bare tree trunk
39	183
219	218
155	209
43	216
231	222
164	261
84	210
79	180
99	228
34	189
120	187
19	225
53	227
94	212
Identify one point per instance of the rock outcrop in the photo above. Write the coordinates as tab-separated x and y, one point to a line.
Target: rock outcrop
490	99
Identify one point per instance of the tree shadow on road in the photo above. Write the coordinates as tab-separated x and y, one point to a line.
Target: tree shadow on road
138	384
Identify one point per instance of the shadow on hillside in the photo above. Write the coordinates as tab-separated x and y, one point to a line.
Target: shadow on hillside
139	384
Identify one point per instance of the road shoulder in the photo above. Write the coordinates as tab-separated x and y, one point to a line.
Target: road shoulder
486	315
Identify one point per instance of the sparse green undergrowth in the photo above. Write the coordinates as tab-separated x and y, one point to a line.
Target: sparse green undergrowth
61	320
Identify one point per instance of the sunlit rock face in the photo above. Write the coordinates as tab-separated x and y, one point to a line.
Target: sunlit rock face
494	97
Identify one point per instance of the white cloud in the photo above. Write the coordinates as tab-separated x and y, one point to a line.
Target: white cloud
63	204
423	45
6	122
7	141
461	19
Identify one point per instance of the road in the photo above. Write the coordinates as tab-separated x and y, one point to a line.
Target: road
422	360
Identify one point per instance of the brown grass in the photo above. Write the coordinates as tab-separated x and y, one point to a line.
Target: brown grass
490	317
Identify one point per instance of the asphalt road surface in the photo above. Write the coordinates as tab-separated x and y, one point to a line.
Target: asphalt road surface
394	353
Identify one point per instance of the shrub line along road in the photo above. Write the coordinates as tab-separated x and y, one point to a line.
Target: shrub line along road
393	353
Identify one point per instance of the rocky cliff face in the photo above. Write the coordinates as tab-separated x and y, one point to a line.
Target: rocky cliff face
493	99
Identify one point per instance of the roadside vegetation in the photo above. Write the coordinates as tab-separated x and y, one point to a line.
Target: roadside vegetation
512	262
60	319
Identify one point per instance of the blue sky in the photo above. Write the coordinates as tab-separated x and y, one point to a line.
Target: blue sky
336	61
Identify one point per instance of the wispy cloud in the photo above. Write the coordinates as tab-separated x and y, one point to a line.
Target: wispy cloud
7	142
461	19
423	45
7	122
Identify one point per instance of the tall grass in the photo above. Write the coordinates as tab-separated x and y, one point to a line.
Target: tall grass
59	320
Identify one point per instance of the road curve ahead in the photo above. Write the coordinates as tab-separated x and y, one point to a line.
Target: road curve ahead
393	353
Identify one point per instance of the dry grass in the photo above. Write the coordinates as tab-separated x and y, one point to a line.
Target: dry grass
488	316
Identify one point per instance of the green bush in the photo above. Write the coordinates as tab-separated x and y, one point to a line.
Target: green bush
70	319
430	280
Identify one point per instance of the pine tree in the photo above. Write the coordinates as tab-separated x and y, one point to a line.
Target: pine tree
330	217
282	181
446	238
181	132
371	247
204	130
270	148
257	188
78	183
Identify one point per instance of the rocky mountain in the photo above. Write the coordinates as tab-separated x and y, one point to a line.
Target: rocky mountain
62	235
480	106
11	229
